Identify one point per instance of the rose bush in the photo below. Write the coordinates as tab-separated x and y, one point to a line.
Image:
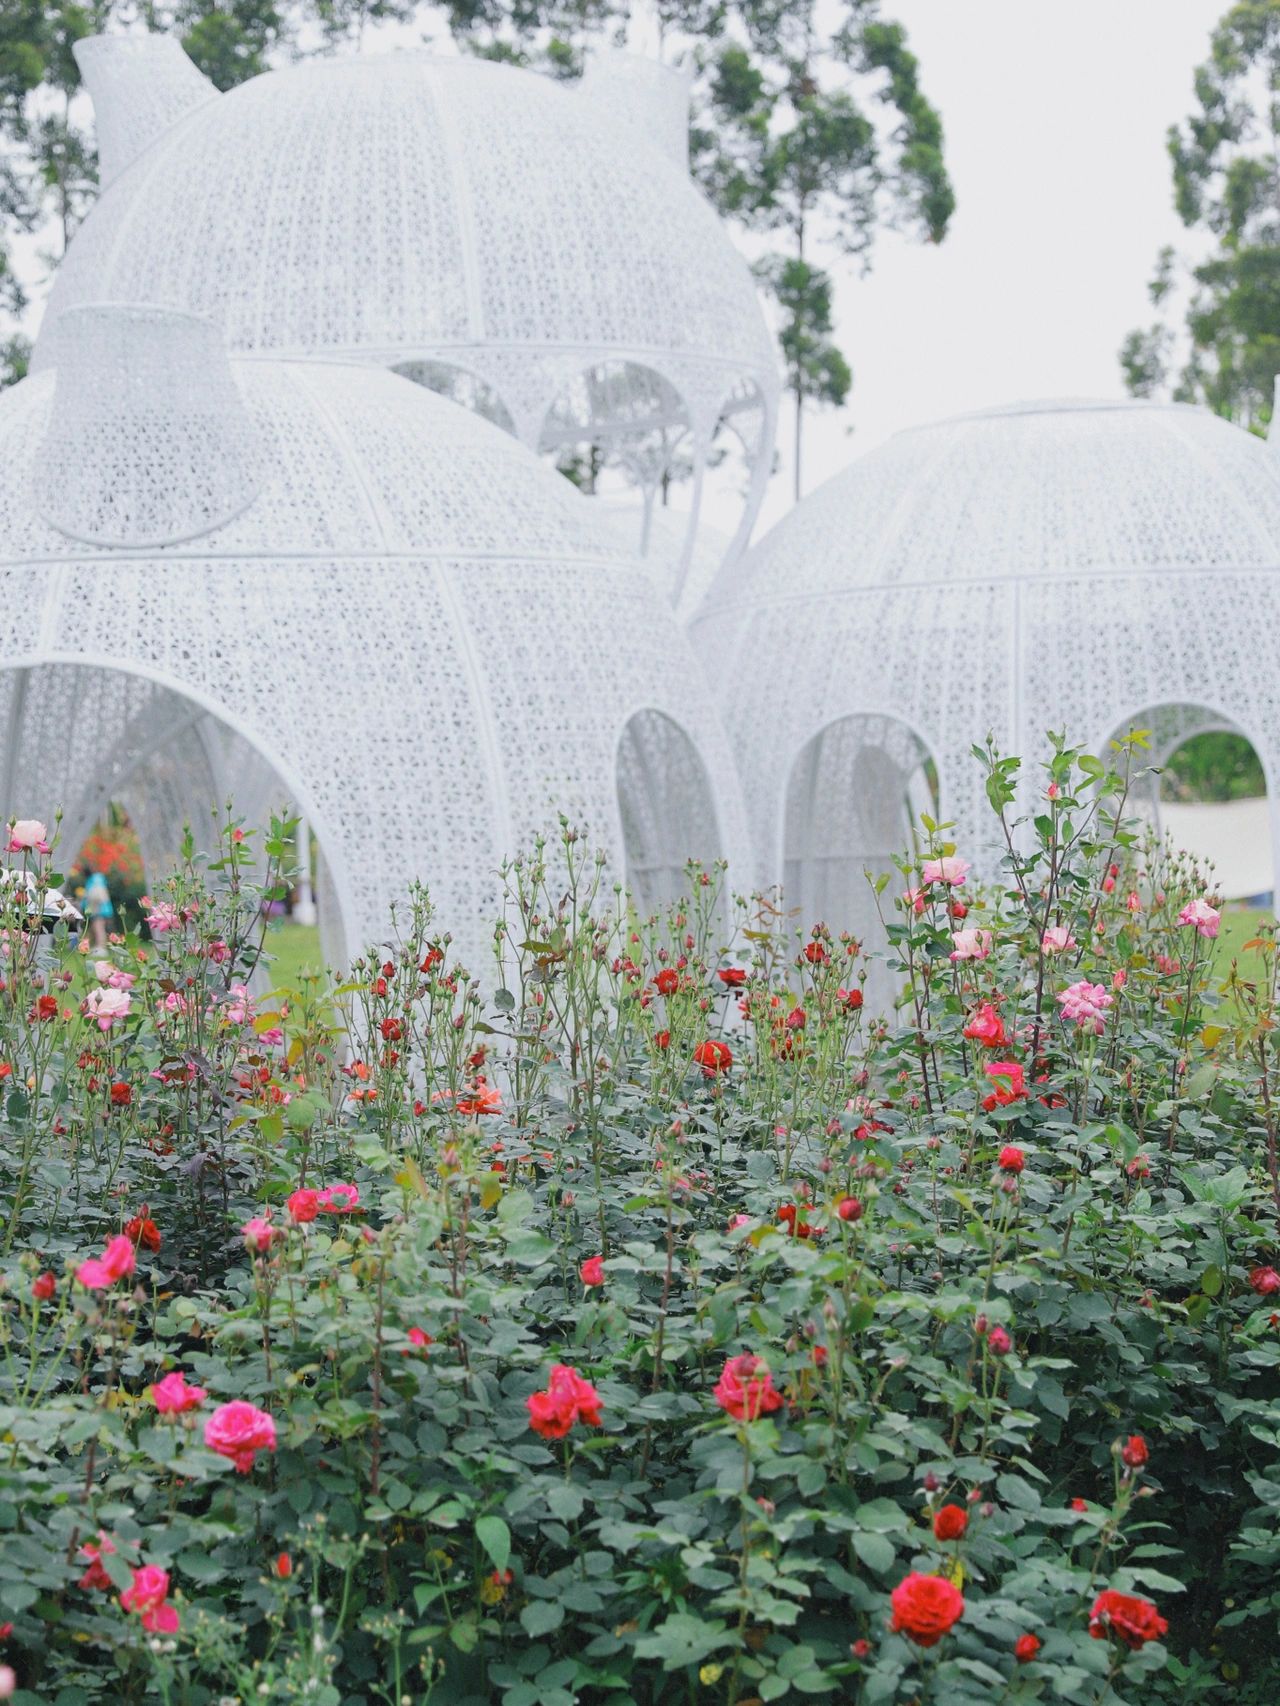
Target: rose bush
624	1331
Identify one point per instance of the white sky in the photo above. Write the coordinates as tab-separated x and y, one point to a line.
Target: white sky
1055	118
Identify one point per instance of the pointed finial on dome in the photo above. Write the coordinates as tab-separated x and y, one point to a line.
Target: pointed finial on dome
149	442
140	86
651	97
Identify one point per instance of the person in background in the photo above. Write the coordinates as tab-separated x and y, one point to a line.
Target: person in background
98	908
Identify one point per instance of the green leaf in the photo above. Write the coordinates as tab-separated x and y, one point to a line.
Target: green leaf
875	1551
683	1640
541	1616
494	1535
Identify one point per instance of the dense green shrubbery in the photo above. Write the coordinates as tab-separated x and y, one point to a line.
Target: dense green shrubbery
1006	1261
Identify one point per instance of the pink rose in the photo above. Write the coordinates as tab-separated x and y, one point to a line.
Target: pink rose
970	944
1086	1004
259	1234
592	1271
118	1260
172	1396
1057	939
28	835
239	1431
162	917
107	1006
950	871
915	899
1205	918
339	1199
147	1596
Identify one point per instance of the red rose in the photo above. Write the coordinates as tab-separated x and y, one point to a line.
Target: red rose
1025	1648
999	1341
1131	1619
925	1607
987	1028
43	1287
592	1271
143	1230
392	1030
284	1566
568	1399
745	1388
733	977
46	1007
713	1056
950	1522
662	1039
667	981
816	954
793	1219
1264	1281
1079	1504
1134	1451
849	1208
1011	1159
849	999
121	1095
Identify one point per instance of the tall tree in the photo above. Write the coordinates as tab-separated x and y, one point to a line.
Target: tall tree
1226	178
819	139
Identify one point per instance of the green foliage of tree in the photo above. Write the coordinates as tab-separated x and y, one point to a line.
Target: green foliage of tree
1212	767
1226	178
819	139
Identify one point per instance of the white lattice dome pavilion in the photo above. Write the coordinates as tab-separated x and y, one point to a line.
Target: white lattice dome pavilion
534	249
318	582
1077	566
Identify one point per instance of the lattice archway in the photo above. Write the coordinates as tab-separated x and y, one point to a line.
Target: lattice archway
667	809
1171	727
853	792
77	735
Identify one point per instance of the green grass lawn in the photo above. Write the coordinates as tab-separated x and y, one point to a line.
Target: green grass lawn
293	947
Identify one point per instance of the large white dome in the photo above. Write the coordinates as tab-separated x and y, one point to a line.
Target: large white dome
430	640
509	237
1073	566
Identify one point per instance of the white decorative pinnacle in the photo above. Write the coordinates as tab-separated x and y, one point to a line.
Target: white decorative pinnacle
141	85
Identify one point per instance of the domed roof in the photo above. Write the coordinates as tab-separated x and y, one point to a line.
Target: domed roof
1032	491
1068	566
404	207
432	638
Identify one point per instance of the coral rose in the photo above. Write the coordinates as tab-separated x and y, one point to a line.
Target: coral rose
303	1205
987	1028
745	1389
240	1431
925	1608
568	1399
1134	1451
1130	1618
1011	1159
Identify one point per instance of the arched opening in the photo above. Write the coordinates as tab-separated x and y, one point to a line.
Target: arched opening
853	794
101	742
1203	786
667	809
